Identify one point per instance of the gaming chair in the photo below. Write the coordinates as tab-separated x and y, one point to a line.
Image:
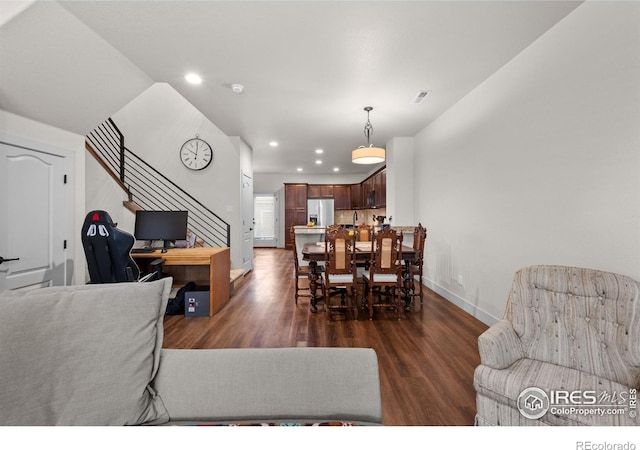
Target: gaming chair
107	250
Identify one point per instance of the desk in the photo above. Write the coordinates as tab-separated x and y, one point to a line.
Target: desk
206	266
314	252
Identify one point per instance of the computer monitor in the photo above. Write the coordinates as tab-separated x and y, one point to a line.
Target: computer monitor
167	226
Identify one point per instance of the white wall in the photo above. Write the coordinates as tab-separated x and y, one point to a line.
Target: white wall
155	125
33	131
400	181
539	164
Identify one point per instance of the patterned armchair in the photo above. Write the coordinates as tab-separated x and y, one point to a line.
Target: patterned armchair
566	353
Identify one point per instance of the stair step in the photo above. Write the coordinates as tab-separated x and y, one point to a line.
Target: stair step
236	277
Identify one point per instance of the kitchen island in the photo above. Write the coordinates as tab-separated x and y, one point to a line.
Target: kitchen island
304	234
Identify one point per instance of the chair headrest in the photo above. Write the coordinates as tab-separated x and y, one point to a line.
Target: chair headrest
99	216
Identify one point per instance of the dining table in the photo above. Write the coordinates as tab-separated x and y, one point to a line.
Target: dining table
314	252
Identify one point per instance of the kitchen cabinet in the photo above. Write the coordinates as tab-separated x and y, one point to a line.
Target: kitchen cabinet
320	191
295	209
342	196
380	182
356	196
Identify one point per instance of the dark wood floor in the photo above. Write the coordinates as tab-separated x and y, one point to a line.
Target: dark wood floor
426	360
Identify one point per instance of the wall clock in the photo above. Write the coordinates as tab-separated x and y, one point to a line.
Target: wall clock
196	154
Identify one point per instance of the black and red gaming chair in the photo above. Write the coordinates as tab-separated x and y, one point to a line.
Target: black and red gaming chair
107	250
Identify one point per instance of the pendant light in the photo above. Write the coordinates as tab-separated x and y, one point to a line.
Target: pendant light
368	154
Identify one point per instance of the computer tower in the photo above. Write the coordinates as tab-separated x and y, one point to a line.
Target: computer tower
196	303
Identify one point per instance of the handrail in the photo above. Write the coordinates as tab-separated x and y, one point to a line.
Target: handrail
92	151
149	188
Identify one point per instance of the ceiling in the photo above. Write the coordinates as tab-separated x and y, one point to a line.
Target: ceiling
308	67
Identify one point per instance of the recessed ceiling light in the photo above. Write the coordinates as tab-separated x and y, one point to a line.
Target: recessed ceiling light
336	169
237	88
273	144
299	169
318	161
193	78
319	151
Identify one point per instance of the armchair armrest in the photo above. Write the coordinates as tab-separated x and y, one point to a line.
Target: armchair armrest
270	384
500	346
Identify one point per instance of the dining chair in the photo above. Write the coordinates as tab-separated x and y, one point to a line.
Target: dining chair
301	271
385	271
364	232
415	265
332	228
340	272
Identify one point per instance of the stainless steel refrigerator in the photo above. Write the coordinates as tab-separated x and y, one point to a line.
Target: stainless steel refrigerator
320	211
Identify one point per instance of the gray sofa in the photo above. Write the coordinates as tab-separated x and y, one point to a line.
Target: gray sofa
92	355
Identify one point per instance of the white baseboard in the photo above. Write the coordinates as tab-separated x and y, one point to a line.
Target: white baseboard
461	303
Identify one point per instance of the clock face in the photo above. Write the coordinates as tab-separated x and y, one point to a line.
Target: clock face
196	154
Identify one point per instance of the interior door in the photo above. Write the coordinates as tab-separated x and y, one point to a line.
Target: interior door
247	222
34	217
265	212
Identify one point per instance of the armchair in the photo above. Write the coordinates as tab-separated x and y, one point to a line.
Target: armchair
567	351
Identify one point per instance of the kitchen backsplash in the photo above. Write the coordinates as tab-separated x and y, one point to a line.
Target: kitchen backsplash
365	216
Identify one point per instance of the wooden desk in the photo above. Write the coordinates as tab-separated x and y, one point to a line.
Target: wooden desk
206	266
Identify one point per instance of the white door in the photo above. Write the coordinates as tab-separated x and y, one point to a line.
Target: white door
247	222
35	205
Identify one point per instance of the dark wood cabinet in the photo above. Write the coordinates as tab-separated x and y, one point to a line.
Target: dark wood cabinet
346	196
356	196
381	188
295	209
373	191
320	191
342	196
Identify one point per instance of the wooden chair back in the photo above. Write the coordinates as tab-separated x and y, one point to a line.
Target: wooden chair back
340	253
419	238
364	232
386	252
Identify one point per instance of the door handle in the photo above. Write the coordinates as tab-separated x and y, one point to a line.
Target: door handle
8	259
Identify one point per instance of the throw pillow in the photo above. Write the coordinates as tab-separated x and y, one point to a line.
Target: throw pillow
82	355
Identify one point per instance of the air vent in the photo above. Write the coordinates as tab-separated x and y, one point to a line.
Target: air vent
421	96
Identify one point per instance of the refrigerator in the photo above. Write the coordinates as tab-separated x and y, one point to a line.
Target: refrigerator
320	211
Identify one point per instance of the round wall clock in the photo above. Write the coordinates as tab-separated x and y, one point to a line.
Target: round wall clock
196	154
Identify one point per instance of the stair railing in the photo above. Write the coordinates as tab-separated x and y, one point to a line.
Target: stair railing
152	190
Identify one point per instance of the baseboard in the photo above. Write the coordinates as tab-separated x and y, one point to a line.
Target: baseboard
461	303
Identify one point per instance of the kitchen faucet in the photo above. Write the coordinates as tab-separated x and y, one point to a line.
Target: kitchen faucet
355	217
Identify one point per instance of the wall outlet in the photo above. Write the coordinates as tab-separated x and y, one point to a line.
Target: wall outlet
460	280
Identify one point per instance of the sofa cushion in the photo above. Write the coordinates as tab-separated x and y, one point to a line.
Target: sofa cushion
82	355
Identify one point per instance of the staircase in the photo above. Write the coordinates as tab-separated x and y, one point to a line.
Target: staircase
147	188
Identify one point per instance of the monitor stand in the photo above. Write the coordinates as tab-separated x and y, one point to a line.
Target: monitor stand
167	245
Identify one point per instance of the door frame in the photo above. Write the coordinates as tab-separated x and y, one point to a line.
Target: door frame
247	222
268	242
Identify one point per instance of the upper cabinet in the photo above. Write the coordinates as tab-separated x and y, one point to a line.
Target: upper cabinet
342	196
320	191
380	182
374	190
356	196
